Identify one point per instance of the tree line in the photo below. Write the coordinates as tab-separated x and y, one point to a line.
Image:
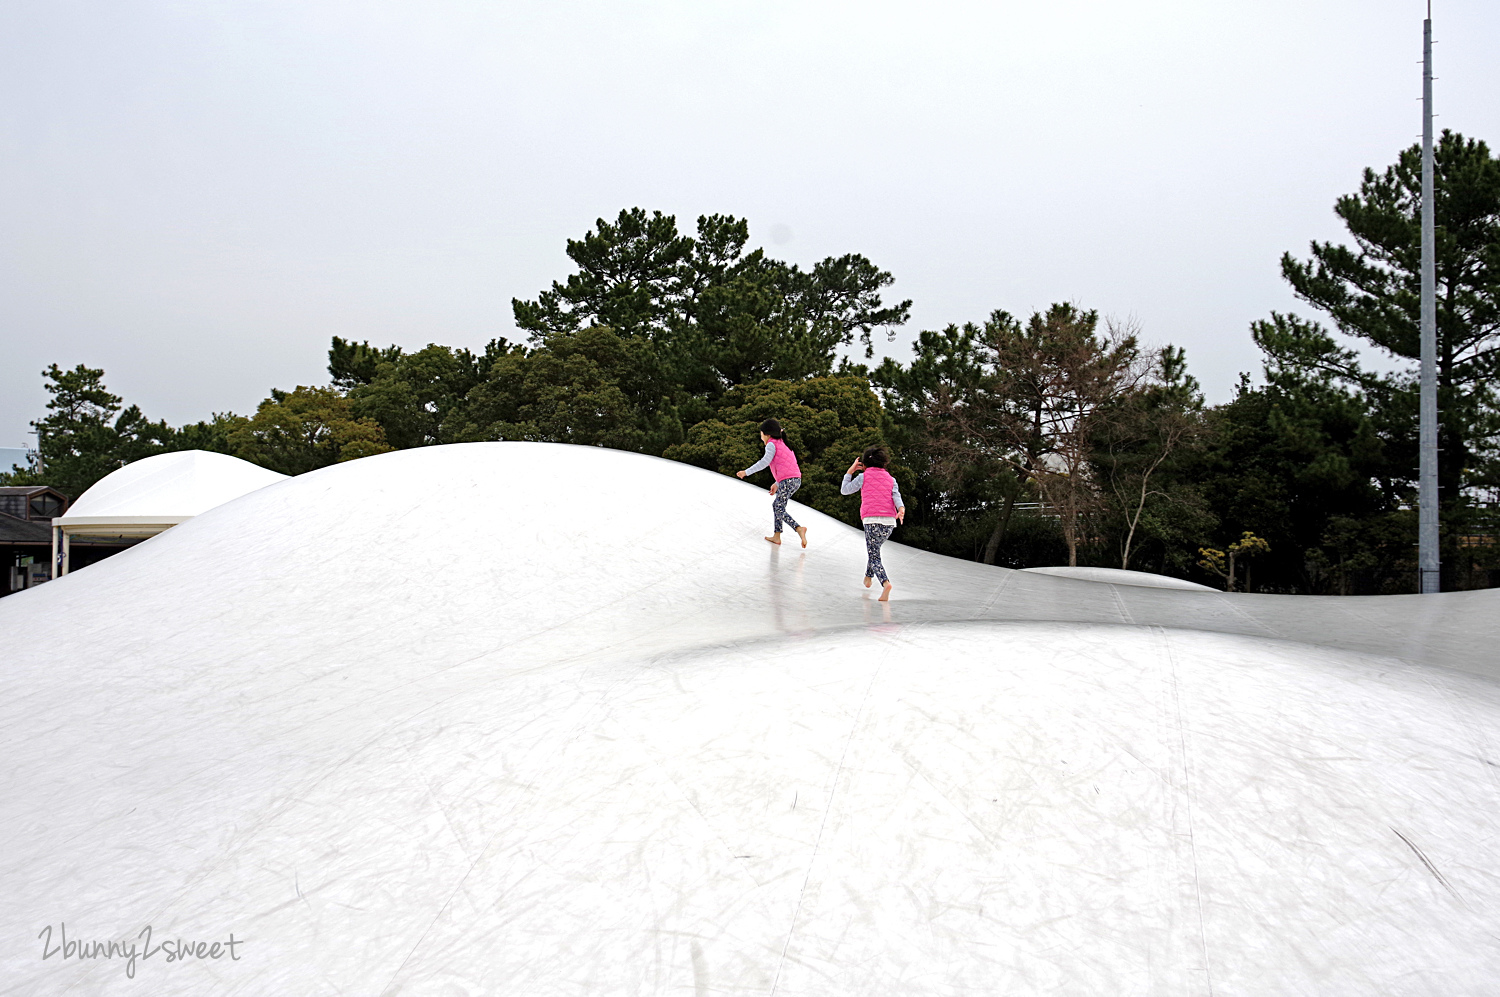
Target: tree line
1058	438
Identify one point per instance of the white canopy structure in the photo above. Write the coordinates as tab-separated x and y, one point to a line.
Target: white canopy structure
578	730
153	494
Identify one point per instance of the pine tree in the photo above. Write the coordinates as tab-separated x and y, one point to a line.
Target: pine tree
87	433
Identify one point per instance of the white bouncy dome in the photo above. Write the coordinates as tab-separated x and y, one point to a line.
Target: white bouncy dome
560	722
148	496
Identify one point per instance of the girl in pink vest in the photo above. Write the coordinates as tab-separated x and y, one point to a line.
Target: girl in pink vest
880	507
788	477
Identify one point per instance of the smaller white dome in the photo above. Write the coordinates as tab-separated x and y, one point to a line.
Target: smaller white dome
167	488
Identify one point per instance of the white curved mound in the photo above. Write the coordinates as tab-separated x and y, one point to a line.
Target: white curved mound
1118	576
167	488
531	719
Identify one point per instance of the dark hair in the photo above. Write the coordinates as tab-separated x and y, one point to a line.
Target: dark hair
874	457
773	429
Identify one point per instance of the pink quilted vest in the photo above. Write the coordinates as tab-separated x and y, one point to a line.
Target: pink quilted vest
875	493
784	462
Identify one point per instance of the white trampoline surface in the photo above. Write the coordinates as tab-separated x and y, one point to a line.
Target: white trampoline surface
1117	576
534	720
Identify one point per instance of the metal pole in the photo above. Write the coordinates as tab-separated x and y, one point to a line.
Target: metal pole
1427	492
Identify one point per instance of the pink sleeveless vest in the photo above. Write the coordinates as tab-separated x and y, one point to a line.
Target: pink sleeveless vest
784	462
875	493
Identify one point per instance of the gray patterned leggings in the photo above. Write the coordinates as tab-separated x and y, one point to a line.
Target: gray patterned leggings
875	535
784	489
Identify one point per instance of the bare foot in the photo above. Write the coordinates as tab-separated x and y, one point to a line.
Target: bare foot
885	593
802	532
775	538
868	580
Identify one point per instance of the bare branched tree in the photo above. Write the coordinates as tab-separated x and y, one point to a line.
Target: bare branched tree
1141	432
1038	392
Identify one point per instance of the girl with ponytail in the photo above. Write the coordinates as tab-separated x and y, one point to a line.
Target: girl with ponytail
788	478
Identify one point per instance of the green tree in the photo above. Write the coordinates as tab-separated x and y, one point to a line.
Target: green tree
592	387
1290	461
210	434
302	430
749	327
418	398
1221	562
1370	554
633	276
87	434
351	364
1370	291
719	315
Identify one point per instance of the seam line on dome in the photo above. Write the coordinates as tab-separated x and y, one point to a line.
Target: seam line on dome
1187	795
833	791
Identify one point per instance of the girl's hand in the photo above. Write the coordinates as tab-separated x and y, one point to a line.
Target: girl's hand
856	468
739	474
773	491
901	515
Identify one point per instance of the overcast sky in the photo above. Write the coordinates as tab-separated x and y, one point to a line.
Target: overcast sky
196	195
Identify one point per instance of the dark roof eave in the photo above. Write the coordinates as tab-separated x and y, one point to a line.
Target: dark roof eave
16	530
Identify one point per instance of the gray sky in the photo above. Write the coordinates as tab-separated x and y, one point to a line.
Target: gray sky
196	195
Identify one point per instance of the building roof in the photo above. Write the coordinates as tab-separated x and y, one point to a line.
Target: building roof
14	530
166	489
37	503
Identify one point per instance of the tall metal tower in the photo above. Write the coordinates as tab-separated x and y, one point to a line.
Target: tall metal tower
1427	491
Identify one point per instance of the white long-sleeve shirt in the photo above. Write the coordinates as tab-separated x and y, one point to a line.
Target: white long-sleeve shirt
765	460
